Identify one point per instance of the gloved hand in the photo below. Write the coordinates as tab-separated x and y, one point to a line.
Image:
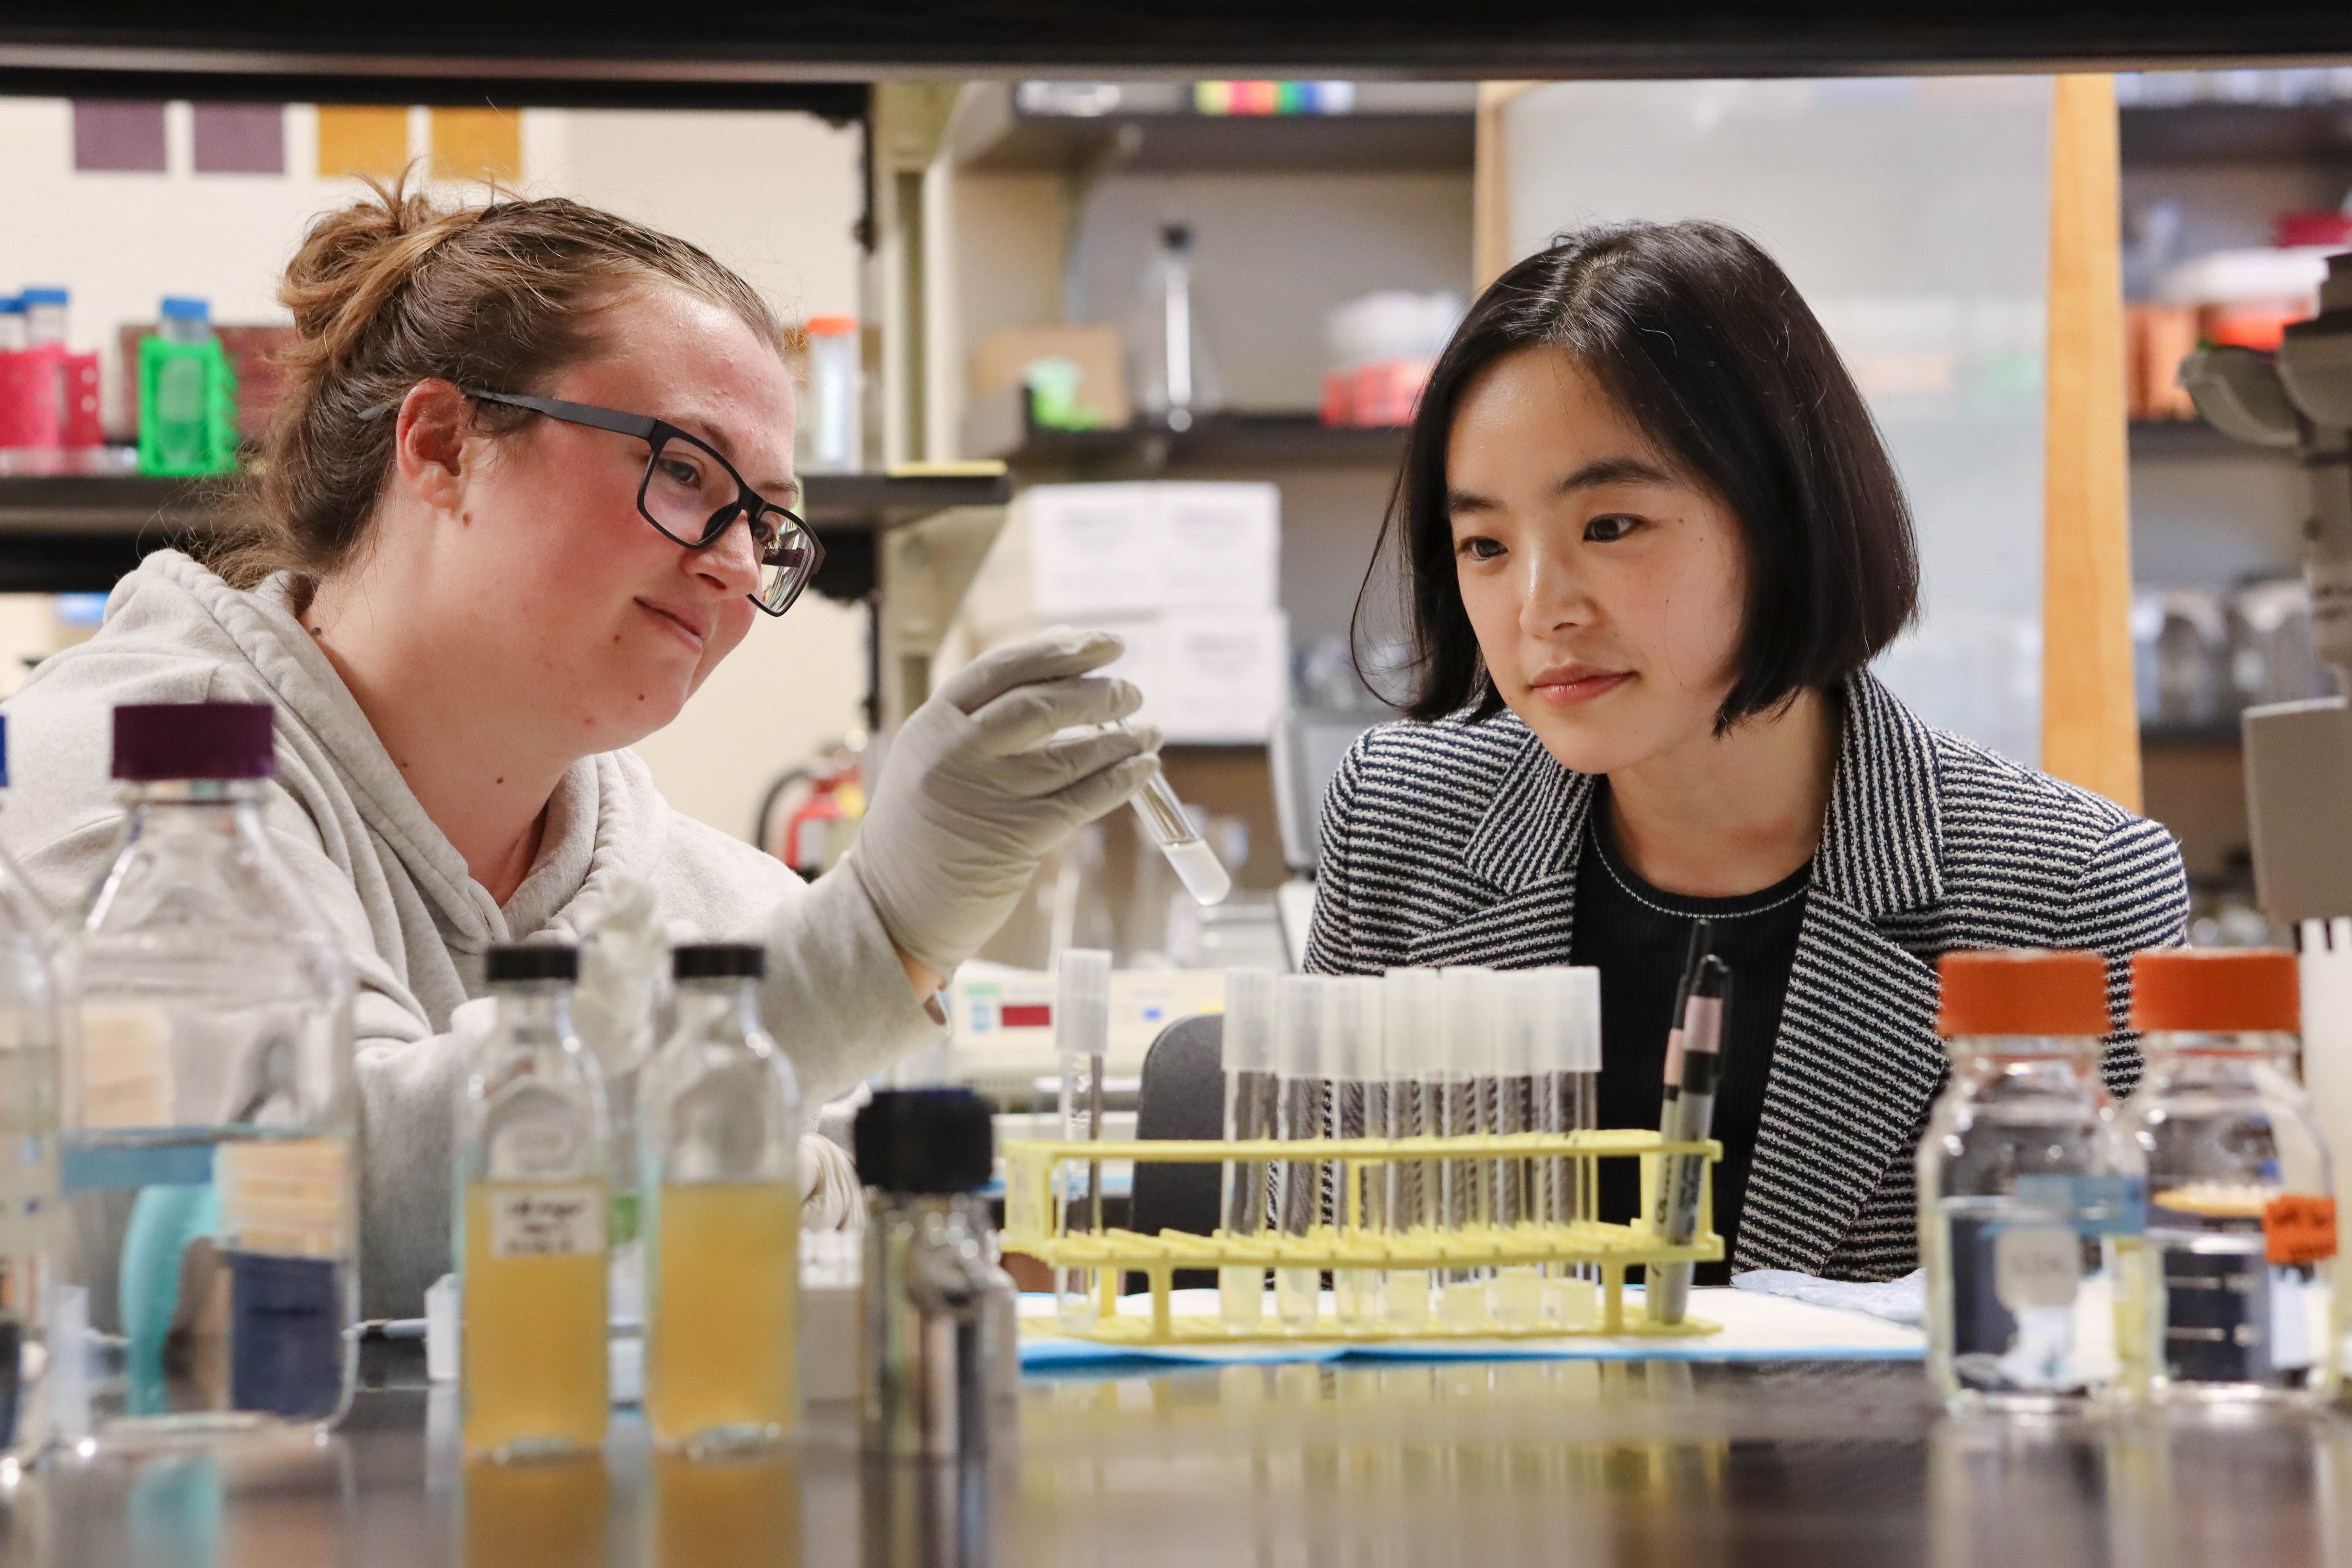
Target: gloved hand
974	792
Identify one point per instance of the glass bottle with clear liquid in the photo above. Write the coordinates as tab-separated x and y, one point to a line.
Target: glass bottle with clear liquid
208	1282
2236	1295
28	1153
2031	1199
532	1208
721	1127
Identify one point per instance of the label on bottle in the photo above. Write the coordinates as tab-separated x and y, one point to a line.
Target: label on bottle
2298	1227
287	1198
546	1221
126	1066
2036	1266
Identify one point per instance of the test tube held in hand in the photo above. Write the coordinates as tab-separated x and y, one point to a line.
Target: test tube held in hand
1669	1287
1464	1087
1081	1037
1195	863
1250	1090
1350	1047
1412	1015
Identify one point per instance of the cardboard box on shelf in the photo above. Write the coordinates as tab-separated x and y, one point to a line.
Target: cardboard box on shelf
1210	677
1121	548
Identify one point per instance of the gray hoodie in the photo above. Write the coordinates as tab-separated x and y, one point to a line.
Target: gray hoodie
412	918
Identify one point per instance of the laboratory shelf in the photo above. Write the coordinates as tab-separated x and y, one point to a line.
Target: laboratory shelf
68	533
1396	127
2235	132
1238	441
2162	439
2162	735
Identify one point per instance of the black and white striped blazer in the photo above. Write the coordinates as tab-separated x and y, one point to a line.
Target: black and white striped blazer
1457	843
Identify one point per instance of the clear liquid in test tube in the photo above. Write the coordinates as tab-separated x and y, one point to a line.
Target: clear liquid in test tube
1518	995
1350	1049
1302	1115
1412	1015
1465	1086
1195	864
1081	1038
1251	1087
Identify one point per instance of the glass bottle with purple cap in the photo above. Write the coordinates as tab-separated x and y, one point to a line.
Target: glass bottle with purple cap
207	1153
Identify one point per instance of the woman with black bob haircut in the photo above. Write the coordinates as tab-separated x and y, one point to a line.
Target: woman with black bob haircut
1649	540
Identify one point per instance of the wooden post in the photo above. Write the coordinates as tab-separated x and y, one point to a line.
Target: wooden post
1490	190
2090	724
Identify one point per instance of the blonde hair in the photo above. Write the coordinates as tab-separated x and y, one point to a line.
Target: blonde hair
395	290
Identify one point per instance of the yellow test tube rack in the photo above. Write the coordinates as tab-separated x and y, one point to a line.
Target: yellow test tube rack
1033	1227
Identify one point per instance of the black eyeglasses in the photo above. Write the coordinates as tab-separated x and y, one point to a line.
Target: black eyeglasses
693	496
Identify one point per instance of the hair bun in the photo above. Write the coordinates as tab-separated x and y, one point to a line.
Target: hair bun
354	259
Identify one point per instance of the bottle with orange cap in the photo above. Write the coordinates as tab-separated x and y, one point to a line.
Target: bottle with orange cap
2241	1219
2031	1199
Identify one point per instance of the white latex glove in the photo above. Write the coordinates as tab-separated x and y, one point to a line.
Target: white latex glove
831	1197
624	977
976	791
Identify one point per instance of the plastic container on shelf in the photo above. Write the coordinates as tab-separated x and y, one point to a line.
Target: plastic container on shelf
33	390
832	428
12	324
720	1118
208	1154
2236	1294
2030	1200
28	1155
187	395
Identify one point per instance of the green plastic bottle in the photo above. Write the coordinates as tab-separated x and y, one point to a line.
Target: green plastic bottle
187	395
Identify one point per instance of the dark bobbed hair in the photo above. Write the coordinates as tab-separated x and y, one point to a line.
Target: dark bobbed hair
1703	340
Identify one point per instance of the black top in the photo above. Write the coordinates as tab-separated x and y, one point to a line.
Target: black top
1637	936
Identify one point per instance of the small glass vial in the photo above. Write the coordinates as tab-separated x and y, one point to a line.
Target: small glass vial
721	1126
1082	1039
210	1114
2238	1297
532	1206
28	1153
926	1341
1301	1116
2030	1200
1250	1093
1412	1013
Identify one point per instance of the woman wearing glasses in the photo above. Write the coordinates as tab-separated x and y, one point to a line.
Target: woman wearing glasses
531	481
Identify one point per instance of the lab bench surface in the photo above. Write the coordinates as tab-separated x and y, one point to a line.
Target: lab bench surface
1346	1466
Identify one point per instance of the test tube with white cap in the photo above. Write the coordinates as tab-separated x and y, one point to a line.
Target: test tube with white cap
1081	1038
1466	1081
1350	1049
1298	1031
1568	1092
1517	999
1249	1092
1411	1015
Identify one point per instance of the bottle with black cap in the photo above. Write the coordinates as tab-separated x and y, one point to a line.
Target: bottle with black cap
532	1204
720	1124
926	1346
207	1153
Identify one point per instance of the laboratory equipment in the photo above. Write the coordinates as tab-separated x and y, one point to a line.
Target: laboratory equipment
1195	863
206	1161
1518	994
925	1348
1702	1069
721	1126
1302	1116
2031	1201
187	395
532	1208
1463	1089
1250	1092
1355	1108
1567	1090
1082	1038
1175	382
1413	1040
28	1154
833	424
2242	1218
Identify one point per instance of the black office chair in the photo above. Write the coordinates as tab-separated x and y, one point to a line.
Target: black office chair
1183	1095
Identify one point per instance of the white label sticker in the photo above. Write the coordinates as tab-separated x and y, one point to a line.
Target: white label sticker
287	1198
2036	1266
546	1221
126	1066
